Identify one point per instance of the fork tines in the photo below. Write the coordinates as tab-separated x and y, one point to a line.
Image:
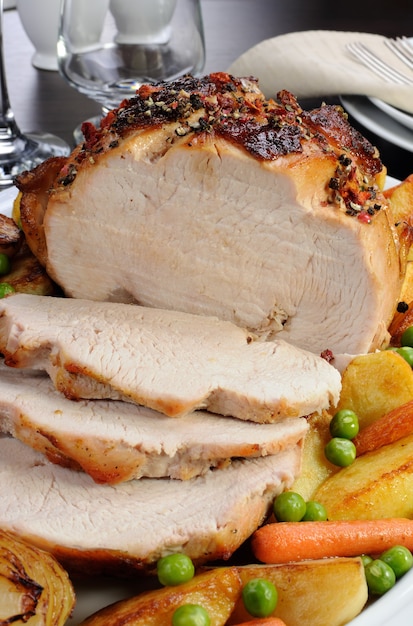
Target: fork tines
369	59
403	48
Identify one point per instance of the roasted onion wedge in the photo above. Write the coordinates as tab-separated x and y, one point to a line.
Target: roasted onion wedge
34	588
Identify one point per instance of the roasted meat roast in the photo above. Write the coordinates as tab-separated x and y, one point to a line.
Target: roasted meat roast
202	196
218	254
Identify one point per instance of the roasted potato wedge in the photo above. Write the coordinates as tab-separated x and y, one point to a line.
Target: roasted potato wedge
400	197
315	467
28	276
34	588
401	202
216	590
374	384
406	293
377	485
328	592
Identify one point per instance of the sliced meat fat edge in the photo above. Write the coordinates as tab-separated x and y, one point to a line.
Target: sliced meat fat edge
115	441
119	528
169	361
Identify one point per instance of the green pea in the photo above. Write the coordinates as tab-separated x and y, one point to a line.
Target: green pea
191	615
380	577
289	507
6	289
4	264
399	558
341	452
344	424
315	512
407	353
175	569
366	559
407	337
260	597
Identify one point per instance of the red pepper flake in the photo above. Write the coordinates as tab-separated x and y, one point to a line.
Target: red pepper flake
327	355
364	217
91	135
146	91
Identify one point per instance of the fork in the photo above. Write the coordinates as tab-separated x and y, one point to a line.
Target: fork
369	59
402	47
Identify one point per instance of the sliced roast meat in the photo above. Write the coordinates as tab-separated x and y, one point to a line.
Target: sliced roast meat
170	361
129	526
202	196
117	441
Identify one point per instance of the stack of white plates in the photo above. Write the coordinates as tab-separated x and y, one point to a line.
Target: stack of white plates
382	119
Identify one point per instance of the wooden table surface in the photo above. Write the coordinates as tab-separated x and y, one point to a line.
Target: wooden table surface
41	100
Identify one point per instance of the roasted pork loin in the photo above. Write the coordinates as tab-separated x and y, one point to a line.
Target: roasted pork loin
121	528
117	441
202	196
169	361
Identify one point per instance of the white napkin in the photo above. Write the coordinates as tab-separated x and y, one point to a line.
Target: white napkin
316	64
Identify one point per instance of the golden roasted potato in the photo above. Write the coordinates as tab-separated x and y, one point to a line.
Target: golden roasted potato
401	202
16	209
377	485
327	592
216	590
28	276
315	467
34	588
400	197
374	384
406	293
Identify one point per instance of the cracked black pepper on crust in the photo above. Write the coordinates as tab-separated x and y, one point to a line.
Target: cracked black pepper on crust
234	108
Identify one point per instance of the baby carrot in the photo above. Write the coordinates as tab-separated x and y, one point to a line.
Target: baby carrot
264	621
393	426
283	542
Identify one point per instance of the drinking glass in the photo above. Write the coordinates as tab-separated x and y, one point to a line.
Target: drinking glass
108	48
18	151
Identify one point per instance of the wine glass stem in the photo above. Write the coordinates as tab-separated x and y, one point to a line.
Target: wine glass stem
9	131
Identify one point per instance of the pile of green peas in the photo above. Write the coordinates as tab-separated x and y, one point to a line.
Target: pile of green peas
259	595
344	426
406	346
290	506
5	266
383	572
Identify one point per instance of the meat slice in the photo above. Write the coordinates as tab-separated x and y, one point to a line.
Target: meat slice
118	441
108	528
202	196
170	361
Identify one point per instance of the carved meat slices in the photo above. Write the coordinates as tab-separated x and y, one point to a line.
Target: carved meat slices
117	441
202	196
129	526
169	361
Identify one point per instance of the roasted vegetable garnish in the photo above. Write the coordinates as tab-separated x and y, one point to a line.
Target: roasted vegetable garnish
28	276
34	588
11	236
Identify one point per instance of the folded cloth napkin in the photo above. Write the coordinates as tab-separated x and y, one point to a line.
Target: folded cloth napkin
316	63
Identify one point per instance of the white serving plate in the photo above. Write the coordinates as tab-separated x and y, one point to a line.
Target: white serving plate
393	609
406	119
377	121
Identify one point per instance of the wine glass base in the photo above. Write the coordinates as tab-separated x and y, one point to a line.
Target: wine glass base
28	151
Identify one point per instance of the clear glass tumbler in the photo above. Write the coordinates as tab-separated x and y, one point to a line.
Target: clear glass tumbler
108	48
